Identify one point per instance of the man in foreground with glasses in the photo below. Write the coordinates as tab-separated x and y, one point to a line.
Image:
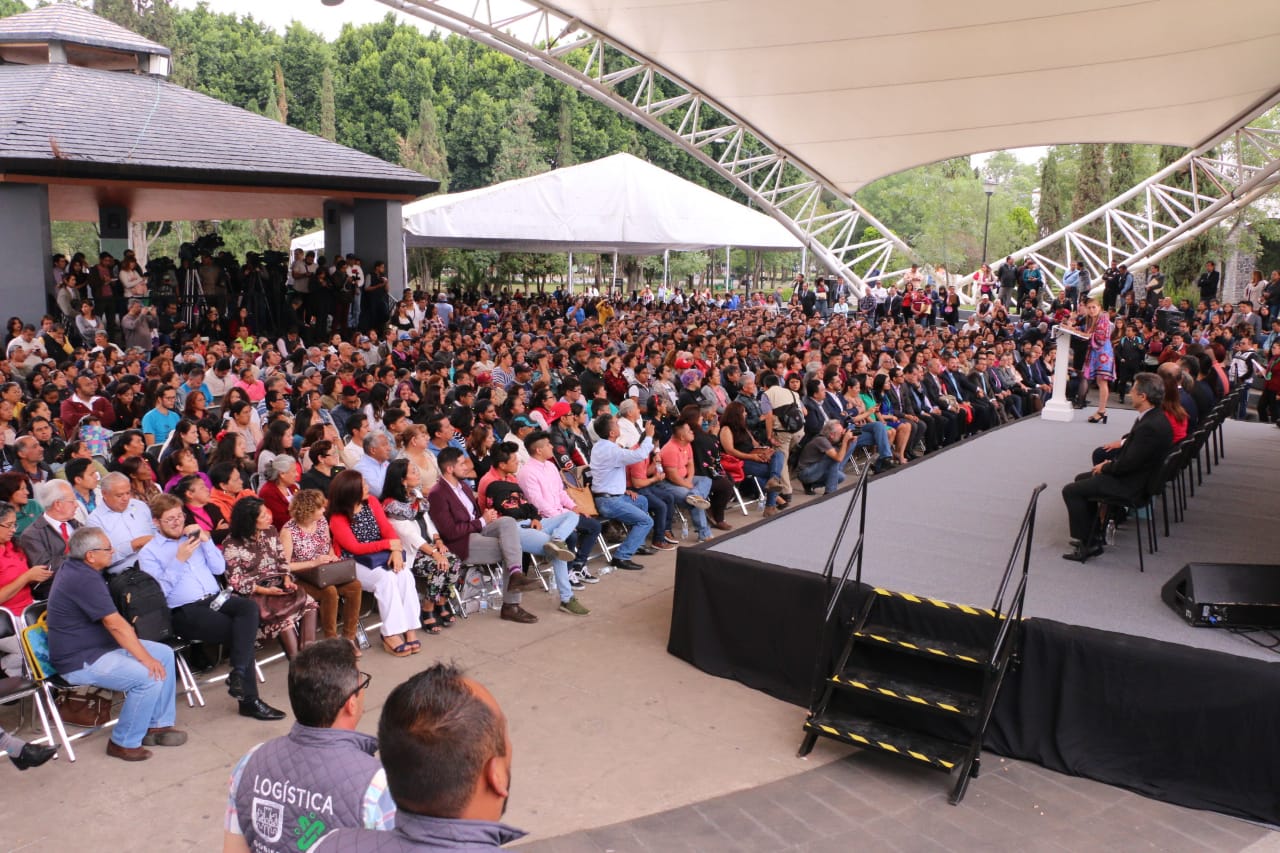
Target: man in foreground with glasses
90	643
323	775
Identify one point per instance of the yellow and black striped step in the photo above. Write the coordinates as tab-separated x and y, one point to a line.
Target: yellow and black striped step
939	603
908	692
873	734
923	646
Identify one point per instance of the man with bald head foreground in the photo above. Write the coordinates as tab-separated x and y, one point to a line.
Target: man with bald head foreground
447	756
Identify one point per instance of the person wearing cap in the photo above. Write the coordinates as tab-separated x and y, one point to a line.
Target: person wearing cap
521	426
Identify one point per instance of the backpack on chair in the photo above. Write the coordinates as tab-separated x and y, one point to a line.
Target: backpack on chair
140	600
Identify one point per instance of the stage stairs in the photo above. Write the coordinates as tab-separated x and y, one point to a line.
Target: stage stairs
918	677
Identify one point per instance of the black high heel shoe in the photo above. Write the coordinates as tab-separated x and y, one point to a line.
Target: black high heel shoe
1098	417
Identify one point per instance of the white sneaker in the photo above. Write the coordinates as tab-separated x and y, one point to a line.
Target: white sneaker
697	501
584	574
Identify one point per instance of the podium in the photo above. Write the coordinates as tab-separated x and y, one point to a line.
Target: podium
1059	407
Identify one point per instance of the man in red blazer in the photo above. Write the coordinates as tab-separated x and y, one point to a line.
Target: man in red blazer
475	536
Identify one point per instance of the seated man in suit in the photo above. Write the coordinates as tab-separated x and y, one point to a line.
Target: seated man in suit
1124	476
476	536
46	541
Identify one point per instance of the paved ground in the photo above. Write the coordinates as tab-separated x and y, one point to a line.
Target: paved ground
878	803
618	746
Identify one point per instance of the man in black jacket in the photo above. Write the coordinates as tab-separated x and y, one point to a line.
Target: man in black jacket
1125	476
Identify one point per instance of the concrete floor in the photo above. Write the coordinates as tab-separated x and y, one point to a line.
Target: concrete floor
607	729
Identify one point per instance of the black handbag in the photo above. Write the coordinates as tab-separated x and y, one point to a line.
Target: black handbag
376	560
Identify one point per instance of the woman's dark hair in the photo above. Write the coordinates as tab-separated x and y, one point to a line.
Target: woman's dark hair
220	473
393	486
244	519
183	487
278	438
169	464
123	439
131	466
225	451
345	493
12	482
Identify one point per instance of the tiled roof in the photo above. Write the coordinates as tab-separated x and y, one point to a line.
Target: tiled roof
83	122
72	24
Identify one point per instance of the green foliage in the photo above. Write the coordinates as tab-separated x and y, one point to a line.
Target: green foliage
12	7
1122	173
423	150
1052	200
1091	185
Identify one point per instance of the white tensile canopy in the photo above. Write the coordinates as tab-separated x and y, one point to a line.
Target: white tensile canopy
859	90
616	204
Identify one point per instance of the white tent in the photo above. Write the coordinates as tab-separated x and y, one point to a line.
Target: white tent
615	204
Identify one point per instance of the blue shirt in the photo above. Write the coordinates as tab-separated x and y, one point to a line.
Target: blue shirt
160	425
78	602
374	473
122	528
186	582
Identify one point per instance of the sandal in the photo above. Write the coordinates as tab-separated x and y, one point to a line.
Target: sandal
401	651
414	646
444	612
429	623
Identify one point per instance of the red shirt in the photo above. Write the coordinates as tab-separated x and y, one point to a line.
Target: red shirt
13	563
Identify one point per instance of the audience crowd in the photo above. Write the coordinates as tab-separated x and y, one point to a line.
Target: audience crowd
241	466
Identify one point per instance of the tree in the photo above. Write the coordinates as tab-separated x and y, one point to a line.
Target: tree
328	119
1091	186
1123	174
1052	200
518	154
423	150
12	7
305	57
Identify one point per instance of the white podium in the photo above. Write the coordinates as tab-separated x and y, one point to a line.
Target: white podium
1059	407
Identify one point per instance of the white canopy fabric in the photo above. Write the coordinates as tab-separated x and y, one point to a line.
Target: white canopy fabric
618	203
859	89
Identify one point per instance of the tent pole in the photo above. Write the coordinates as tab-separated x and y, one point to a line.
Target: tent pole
726	269
571	273
615	272
804	259
666	261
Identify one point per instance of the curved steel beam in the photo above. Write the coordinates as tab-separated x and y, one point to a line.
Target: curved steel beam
828	222
1208	184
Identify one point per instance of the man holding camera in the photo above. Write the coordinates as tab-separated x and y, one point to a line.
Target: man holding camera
184	560
139	324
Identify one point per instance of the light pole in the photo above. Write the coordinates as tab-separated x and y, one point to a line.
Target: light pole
988	187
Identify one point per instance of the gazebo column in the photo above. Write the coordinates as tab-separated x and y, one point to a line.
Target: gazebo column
26	244
379	225
339	230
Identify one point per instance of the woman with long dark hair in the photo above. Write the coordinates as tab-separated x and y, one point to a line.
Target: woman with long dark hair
424	550
199	509
758	461
256	568
361	530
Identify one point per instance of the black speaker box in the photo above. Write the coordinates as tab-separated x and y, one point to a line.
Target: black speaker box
1225	595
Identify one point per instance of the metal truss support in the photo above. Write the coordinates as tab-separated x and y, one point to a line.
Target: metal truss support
828	222
1188	197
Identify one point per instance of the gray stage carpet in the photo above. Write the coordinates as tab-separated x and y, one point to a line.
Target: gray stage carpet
943	528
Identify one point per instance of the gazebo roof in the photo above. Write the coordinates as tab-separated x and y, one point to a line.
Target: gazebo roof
71	24
179	137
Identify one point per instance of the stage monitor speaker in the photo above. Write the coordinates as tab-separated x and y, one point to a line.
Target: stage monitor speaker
1225	595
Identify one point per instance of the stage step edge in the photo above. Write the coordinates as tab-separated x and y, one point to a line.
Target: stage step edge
923	646
913	693
872	734
912	598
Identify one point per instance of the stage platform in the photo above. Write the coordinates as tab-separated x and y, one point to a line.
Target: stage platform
1113	686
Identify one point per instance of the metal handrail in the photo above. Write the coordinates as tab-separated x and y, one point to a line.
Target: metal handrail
859	497
1022	543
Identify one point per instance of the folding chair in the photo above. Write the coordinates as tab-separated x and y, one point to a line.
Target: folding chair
23	687
486	585
190	688
43	675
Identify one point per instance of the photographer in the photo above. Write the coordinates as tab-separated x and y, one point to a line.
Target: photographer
139	325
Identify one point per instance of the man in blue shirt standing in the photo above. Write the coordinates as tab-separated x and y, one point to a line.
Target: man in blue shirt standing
90	643
184	560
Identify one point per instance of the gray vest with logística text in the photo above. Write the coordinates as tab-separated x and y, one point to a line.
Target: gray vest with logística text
296	788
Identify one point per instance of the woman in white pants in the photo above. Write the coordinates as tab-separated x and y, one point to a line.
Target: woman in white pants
361	530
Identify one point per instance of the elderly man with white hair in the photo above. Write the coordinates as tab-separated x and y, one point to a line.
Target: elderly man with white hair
47	540
125	519
373	464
